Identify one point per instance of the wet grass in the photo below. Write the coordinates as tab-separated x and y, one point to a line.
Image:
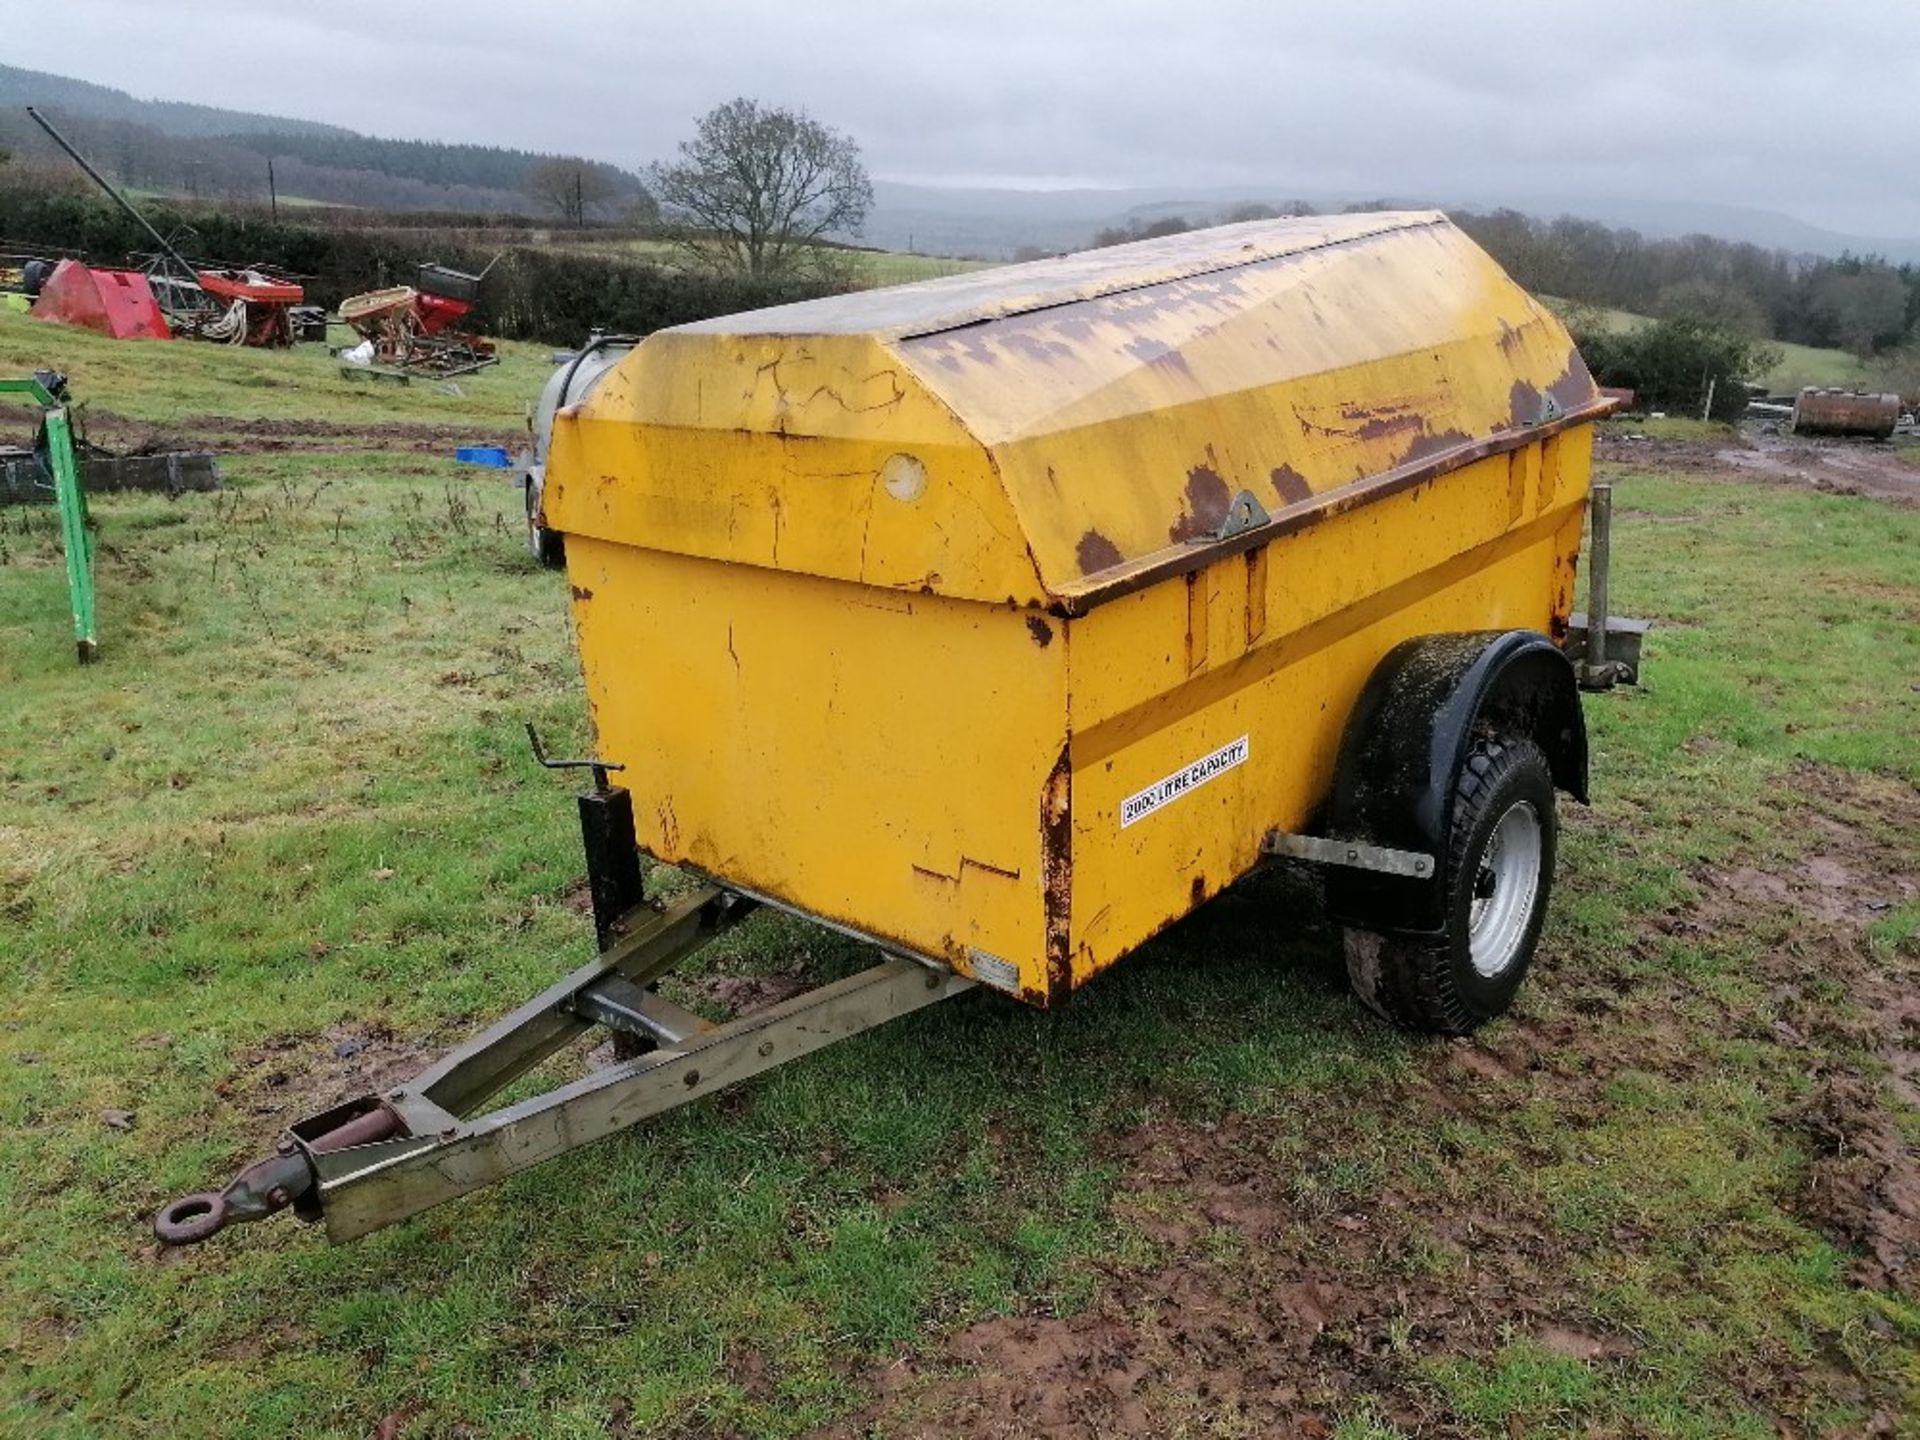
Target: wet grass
864	267
167	382
293	805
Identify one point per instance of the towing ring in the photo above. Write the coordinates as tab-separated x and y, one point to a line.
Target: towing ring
191	1219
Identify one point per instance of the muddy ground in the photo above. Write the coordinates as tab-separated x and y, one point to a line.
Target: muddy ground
1884	470
1267	1316
1266	1313
228	435
1303	1310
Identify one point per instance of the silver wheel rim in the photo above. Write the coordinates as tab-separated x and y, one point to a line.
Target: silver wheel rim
1504	887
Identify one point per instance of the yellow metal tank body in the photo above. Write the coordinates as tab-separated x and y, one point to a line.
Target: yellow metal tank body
1000	617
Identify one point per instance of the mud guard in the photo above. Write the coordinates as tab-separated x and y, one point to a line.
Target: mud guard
1405	741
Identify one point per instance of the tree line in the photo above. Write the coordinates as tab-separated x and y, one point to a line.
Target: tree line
1860	303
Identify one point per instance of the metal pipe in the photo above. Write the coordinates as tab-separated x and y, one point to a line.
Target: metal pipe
1597	596
125	204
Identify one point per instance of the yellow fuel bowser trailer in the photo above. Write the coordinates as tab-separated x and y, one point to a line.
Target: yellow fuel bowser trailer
1003	619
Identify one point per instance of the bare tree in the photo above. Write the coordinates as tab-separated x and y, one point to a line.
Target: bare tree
757	189
572	189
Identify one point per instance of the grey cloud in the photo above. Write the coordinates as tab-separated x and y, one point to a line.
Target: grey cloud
1804	109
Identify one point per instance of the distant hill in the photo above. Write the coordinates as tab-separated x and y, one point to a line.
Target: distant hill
170	117
993	224
202	151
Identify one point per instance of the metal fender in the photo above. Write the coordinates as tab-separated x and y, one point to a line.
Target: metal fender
1404	743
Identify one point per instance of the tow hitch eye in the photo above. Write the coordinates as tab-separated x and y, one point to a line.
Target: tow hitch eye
266	1186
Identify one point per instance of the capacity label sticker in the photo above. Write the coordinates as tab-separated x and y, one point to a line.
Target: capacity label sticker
1183	781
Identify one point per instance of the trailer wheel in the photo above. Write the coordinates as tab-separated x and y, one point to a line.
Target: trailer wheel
1500	869
546	546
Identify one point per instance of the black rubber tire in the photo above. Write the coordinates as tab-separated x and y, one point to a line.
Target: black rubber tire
546	546
1433	986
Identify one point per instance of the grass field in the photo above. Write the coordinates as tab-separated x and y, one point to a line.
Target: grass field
1808	365
285	840
868	267
170	384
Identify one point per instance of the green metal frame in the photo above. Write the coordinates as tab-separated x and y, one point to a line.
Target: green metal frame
71	501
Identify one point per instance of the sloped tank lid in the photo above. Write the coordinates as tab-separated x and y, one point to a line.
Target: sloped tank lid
927	307
1128	398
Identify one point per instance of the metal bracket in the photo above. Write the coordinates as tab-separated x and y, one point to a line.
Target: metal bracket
1244	514
1353	854
1622	663
1605	648
619	1004
600	768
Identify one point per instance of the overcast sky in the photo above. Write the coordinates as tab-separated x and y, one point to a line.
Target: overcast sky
1807	108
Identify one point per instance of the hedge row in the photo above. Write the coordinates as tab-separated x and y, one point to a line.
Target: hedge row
534	293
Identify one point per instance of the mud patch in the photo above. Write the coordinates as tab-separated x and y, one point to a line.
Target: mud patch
232	435
1836	467
1863	1183
743	994
1879	470
1822	886
291	1076
1276	1305
1863	1188
1271	1316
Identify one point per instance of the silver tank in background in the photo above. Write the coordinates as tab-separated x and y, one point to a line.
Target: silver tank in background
576	374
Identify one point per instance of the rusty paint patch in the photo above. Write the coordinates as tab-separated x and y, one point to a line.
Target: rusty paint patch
1197	891
581	592
1256	593
1525	406
1206	508
1056	874
989	867
1434	443
1574	388
1199	604
1289	484
1041	631
1096	552
1382	422
1363	423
